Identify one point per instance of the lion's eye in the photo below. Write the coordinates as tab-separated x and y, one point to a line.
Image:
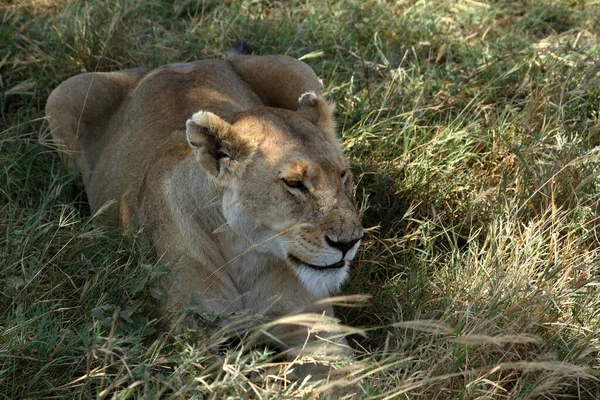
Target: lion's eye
344	175
294	184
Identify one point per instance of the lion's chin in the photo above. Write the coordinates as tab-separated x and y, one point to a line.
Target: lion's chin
321	281
296	261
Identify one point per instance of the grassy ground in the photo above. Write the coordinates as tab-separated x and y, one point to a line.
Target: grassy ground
474	131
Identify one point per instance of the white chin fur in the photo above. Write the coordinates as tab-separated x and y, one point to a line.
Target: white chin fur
322	283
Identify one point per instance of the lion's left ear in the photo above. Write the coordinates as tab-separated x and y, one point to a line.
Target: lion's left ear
320	112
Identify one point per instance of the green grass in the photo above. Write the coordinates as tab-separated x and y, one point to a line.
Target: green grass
474	132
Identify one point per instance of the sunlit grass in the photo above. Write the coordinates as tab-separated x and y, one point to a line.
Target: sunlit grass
474	132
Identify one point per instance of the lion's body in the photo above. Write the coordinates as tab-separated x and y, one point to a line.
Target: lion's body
126	133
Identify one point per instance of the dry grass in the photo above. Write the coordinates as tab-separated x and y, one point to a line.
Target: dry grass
474	131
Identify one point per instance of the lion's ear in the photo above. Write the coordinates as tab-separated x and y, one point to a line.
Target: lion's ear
220	151
320	112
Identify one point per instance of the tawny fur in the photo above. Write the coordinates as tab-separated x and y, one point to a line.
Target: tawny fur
216	197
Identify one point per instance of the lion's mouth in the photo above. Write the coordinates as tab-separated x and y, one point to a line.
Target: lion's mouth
337	265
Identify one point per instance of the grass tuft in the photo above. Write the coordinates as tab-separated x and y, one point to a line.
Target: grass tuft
474	132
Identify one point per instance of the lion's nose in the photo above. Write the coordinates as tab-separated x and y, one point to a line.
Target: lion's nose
343	246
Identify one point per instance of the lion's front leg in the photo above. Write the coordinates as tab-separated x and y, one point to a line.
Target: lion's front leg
192	283
311	340
315	352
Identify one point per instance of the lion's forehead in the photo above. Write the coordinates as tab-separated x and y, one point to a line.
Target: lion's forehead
302	150
278	130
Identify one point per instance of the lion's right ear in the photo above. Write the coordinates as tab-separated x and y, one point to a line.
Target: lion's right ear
220	151
316	109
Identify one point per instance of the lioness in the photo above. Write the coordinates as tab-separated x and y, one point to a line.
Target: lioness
233	168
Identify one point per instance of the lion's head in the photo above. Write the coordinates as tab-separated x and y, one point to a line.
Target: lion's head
287	186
